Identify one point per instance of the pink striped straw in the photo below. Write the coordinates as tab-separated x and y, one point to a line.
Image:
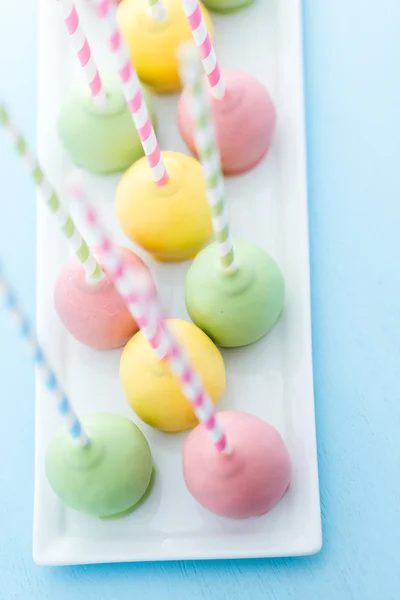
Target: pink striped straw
204	44
71	19
139	293
107	10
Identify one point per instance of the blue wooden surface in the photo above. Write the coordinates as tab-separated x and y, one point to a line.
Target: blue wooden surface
352	57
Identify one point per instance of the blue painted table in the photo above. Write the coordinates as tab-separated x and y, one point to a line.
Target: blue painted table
352	57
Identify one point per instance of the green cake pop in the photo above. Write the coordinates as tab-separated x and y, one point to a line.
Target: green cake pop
110	476
101	139
239	307
95	124
100	464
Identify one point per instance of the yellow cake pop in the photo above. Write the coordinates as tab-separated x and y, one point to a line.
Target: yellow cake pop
154	393
173	221
153	44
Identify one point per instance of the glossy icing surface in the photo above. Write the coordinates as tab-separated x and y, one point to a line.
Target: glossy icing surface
151	389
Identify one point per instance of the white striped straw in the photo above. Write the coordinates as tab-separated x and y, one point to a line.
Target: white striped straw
81	44
107	11
64	406
207	149
82	251
203	42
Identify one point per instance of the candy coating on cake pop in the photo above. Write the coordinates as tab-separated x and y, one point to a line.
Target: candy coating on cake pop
152	45
248	482
172	222
94	313
151	389
109	477
235	309
100	139
244	120
226	6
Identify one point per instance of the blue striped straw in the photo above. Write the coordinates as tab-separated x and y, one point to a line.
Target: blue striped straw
63	404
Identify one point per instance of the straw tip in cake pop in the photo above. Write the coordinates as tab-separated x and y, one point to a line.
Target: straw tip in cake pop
249	481
154	393
107	478
153	45
235	308
94	313
244	121
171	222
100	139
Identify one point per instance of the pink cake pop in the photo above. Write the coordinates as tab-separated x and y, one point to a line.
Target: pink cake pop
234	464
246	483
83	306
85	298
243	111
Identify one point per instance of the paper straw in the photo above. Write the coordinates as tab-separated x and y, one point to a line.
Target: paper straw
107	11
81	44
64	406
141	299
92	268
204	44
158	11
207	149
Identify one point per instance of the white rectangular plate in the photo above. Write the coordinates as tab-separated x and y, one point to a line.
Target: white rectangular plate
272	379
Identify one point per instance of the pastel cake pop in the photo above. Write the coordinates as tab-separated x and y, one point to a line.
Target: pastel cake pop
236	306
243	110
226	6
153	31
95	124
160	205
85	298
93	311
233	454
110	476
100	465
172	222
250	480
234	290
154	393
